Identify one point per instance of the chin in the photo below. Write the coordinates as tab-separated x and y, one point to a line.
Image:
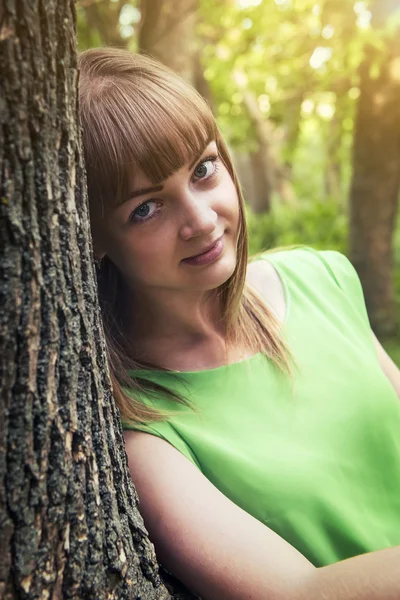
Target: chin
217	273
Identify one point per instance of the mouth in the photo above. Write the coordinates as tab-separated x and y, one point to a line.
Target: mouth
208	254
207	249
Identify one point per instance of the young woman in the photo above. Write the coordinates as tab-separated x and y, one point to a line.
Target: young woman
261	415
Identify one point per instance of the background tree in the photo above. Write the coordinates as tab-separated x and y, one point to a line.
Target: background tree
102	23
167	32
69	520
376	170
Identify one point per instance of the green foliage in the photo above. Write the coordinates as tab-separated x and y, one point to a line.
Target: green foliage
322	225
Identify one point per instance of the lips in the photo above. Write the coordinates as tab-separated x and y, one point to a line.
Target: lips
205	250
209	254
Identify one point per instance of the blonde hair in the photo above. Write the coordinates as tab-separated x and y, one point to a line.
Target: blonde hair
135	112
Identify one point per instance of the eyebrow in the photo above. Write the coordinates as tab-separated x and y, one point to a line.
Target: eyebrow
194	161
158	188
143	191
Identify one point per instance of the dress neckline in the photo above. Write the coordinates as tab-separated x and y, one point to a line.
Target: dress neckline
243	362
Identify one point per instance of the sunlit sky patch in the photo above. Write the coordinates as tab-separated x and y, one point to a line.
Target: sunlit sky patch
129	14
128	17
325	111
223	52
328	32
248	3
240	78
307	107
320	56
364	16
264	103
126	31
316	10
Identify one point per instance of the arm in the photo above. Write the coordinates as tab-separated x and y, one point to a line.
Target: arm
222	553
388	366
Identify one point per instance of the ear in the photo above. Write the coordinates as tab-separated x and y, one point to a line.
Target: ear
97	238
98	248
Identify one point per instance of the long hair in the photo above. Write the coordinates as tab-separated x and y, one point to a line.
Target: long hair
136	113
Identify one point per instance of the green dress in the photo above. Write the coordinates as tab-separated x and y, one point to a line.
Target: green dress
315	457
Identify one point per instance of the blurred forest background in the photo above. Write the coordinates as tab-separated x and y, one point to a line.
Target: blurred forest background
307	95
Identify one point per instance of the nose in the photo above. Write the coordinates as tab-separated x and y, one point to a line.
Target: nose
199	218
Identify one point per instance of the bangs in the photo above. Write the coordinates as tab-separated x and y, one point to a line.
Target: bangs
139	121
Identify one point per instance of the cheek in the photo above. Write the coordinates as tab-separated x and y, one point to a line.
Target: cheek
140	255
234	207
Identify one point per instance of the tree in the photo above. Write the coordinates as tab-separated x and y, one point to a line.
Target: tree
167	32
69	520
99	23
376	174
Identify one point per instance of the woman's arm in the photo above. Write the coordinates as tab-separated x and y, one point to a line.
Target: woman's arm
388	366
222	553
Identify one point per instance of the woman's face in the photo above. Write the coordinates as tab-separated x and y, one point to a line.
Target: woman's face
180	235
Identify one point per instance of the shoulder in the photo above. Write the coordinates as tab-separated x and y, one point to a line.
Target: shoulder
262	276
314	273
303	261
138	434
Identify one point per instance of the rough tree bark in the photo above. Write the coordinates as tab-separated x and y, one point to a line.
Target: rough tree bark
376	180
69	520
167	32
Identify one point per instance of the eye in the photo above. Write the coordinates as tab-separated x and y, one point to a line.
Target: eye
206	168
145	211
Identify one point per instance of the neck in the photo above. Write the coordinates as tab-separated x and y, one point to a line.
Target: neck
176	322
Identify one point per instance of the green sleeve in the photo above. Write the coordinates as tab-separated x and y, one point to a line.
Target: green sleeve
166	431
346	278
334	264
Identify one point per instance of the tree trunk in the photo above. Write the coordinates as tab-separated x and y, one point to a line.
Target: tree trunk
69	522
264	167
333	170
167	32
375	185
292	121
262	184
200	82
102	18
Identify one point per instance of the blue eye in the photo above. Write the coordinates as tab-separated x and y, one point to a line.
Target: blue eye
206	168
144	211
